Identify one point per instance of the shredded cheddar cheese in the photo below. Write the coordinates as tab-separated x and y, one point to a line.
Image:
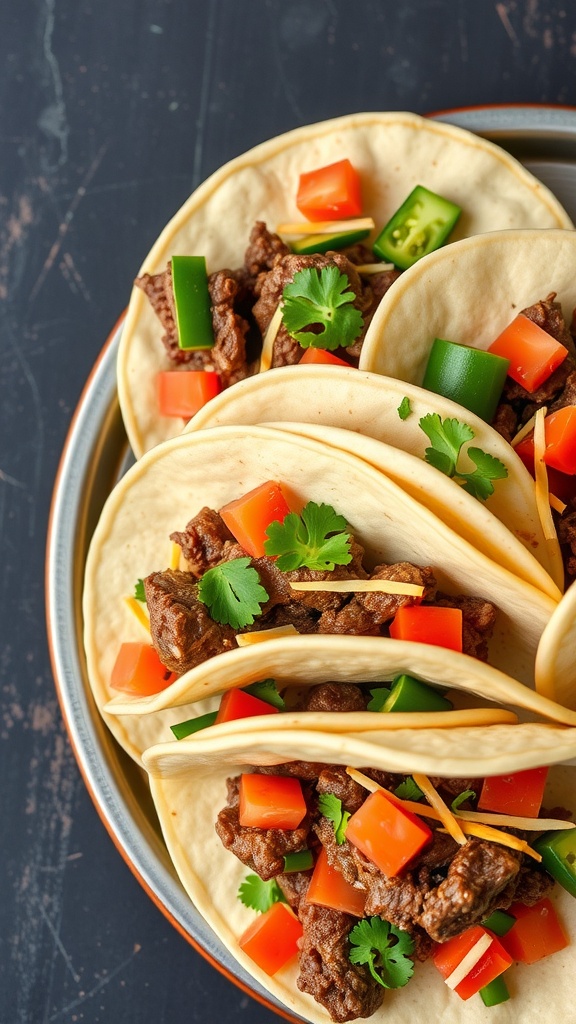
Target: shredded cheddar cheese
325	227
175	552
541	476
139	611
258	635
361	587
270	338
435	800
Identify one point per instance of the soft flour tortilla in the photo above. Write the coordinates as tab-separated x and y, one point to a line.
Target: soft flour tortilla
366	404
175	480
556	656
189	788
393	152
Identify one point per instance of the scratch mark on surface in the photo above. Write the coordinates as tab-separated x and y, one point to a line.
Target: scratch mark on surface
510	32
60	945
39	419
7	479
204	94
67	220
13	235
53	119
72	276
85	996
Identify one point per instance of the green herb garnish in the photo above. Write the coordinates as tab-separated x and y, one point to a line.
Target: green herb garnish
267	690
385	949
139	592
404	409
408	790
232	593
447	437
259	895
467	794
331	807
318	299
314	539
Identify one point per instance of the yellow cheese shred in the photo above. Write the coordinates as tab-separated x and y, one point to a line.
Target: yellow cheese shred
139	611
526	429
325	227
361	587
541	475
175	552
270	338
258	635
435	800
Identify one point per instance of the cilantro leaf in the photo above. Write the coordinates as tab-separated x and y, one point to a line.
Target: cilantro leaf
467	794
331	807
139	592
232	593
378	697
259	895
305	540
318	298
267	690
404	409
408	790
385	949
447	438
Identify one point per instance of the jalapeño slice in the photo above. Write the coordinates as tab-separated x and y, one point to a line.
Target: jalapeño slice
192	302
419	226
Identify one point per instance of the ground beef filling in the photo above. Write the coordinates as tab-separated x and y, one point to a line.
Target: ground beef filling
245	299
446	889
185	635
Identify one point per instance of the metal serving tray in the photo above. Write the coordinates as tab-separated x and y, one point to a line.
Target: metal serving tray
95	455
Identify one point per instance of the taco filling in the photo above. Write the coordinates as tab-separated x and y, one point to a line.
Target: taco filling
244	300
230	590
395	874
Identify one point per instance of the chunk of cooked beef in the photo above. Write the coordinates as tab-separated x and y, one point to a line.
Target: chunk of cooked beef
478	619
182	631
203	541
306	770
346	990
264	248
548	315
160	293
228	354
477	875
532	885
333	697
294	886
365	614
567	536
261	849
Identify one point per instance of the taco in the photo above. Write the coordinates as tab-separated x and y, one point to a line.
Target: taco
379	532
231	220
372	929
555	658
368	405
475	294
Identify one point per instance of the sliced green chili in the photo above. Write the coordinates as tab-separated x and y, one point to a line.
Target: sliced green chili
419	226
499	922
192	302
302	860
409	694
183	729
558	850
470	376
495	992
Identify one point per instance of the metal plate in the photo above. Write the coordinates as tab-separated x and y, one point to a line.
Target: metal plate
95	455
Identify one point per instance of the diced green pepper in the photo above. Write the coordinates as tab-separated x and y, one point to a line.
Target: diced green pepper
322	243
192	302
470	376
558	850
183	729
499	922
302	860
409	694
495	992
378	696
419	226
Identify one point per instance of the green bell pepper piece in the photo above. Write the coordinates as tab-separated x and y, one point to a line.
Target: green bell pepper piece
558	850
322	243
499	922
419	226
495	992
409	694
192	302
183	729
470	376
302	860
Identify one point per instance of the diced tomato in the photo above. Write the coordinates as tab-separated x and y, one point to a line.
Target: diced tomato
330	193
560	450
249	517
271	801
271	941
519	793
533	353
184	392
386	833
238	704
329	888
138	670
322	356
428	624
493	962
536	934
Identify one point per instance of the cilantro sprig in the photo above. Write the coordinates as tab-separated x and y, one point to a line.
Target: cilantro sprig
331	807
259	895
408	790
139	592
385	949
404	410
315	539
466	794
317	298
232	592
447	438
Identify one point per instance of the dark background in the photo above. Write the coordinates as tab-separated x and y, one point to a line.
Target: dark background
110	113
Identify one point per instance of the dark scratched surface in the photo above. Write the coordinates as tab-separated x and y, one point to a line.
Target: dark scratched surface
110	113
